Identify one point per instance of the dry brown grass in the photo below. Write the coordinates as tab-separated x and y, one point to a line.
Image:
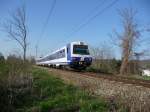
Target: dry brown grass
16	83
120	96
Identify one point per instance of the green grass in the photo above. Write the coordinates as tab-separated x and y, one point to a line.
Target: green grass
47	93
51	93
146	77
138	77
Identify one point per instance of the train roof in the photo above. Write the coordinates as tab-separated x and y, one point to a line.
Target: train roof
78	42
75	42
52	53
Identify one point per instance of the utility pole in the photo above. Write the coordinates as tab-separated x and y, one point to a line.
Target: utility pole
36	50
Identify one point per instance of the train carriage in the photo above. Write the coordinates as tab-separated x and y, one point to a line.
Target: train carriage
75	55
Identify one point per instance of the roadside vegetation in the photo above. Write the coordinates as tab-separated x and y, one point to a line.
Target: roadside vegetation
28	89
57	96
112	67
140	77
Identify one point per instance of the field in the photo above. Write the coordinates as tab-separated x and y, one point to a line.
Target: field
57	96
42	92
28	88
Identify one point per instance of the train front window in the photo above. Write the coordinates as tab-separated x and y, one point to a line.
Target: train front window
80	49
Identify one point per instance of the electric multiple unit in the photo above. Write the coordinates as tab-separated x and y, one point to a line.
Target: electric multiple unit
75	55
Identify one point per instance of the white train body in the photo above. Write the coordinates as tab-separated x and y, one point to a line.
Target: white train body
75	54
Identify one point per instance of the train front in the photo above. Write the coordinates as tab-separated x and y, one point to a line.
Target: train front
80	56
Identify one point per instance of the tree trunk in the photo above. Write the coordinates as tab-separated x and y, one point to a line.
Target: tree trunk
24	54
124	66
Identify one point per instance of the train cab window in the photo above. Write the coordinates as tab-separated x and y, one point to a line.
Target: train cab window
81	49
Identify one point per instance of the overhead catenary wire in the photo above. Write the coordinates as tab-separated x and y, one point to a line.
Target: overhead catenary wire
47	20
100	3
92	18
45	24
80	26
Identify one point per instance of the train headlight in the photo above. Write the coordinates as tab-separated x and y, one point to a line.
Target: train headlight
90	59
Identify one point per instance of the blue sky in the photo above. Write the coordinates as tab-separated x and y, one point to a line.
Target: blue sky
66	17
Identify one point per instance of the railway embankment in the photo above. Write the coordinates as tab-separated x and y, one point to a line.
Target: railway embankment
130	97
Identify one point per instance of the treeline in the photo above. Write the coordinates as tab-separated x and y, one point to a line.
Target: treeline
104	61
105	66
112	66
127	41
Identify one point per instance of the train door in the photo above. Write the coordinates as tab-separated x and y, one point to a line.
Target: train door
68	52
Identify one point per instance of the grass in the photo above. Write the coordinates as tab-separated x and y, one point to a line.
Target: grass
137	76
43	92
52	94
146	77
105	71
46	93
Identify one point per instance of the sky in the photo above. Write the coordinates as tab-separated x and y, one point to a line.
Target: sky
63	26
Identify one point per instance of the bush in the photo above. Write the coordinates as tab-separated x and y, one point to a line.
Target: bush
15	84
109	66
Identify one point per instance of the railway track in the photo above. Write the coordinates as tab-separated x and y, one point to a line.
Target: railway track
125	80
127	91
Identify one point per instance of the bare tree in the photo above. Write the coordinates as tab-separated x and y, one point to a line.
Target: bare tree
102	57
104	51
16	29
128	38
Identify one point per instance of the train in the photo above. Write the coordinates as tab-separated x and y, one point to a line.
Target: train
74	55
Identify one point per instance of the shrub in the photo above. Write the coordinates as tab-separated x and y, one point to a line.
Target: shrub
15	84
26	90
111	66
